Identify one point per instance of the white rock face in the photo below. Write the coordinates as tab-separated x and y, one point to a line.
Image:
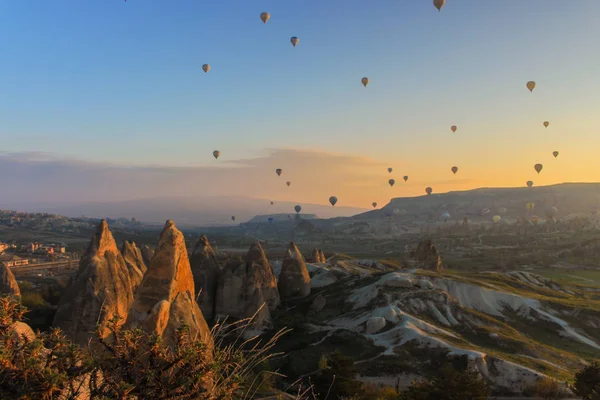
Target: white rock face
424	284
375	324
391	314
318	303
325	278
400	281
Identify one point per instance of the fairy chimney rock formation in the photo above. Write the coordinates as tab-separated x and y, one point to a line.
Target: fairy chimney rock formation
318	256
134	261
165	298
426	256
8	283
257	262
206	272
101	288
294	280
248	289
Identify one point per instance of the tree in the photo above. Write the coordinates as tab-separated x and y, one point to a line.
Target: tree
337	378
451	384
548	389
587	382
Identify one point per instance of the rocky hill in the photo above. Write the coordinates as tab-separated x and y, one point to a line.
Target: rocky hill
103	286
399	323
483	203
166	296
8	284
398	319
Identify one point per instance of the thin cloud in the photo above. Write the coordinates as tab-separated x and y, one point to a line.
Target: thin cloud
315	175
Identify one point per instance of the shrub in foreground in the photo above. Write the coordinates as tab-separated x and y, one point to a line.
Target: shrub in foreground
130	364
450	384
587	382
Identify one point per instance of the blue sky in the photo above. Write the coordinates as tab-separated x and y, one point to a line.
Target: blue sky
121	82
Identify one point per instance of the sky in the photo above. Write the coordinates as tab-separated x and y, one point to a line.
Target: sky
109	85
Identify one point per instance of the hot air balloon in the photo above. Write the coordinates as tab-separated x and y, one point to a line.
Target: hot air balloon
365	81
374	204
529	183
298	209
391	182
428	190
445	215
288	183
439	4
216	153
271	203
454	170
530	206
294	41
270	219
546	123
538	167
233	217
390	170
278	171
333	200
405	178
206	67
555	154
496	218
530	85
265	16
453	128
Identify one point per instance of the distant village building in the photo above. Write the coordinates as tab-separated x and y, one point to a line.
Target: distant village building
3	246
13	261
32	247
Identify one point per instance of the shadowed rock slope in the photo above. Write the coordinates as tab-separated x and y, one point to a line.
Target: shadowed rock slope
147	254
8	283
426	256
165	298
206	272
294	280
134	261
245	287
101	288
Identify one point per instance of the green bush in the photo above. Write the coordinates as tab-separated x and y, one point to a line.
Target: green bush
450	384
130	364
587	382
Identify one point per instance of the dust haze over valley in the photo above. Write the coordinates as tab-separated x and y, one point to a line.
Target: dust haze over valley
391	201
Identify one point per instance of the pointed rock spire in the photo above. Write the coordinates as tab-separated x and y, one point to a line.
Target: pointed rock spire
245	286
318	256
258	264
165	298
8	283
426	256
134	261
206	272
101	288
294	280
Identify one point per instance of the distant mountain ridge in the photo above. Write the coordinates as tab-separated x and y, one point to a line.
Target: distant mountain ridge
264	219
568	198
187	211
